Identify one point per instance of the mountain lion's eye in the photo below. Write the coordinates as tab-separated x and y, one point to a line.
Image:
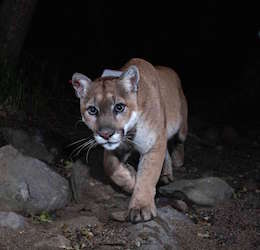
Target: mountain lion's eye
119	107
92	110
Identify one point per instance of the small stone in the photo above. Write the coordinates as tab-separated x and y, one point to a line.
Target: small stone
138	243
90	235
119	216
203	235
57	241
181	205
206	218
11	220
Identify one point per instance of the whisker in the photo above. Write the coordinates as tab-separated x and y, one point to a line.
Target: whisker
91	146
76	142
84	145
75	150
80	147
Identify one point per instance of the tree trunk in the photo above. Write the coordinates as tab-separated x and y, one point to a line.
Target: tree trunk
15	17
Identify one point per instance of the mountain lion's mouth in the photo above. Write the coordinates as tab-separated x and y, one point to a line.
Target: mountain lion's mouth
111	143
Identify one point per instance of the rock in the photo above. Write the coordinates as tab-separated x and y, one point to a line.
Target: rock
31	145
29	185
176	203
180	205
78	179
57	241
205	191
11	220
119	216
160	233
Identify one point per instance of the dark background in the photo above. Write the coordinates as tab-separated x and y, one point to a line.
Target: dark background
213	46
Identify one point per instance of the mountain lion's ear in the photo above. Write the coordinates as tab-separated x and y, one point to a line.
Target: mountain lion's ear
80	83
130	78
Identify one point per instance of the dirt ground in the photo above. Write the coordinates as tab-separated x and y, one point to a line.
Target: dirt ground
233	225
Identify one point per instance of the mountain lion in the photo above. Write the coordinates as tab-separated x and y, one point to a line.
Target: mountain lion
139	107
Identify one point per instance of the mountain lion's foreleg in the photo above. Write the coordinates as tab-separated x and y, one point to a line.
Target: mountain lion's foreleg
142	205
123	175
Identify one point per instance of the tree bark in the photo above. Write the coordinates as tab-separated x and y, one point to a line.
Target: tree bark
15	17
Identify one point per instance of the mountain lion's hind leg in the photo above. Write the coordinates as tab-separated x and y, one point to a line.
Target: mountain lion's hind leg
178	150
167	171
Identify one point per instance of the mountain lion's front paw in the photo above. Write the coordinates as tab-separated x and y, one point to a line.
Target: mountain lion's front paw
140	211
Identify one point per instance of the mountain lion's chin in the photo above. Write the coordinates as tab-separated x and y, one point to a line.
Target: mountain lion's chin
111	146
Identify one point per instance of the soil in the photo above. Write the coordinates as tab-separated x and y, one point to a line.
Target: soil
232	225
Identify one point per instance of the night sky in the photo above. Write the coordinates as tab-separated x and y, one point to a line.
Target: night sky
209	44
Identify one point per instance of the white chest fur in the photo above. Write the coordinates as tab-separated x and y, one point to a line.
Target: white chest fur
144	138
173	128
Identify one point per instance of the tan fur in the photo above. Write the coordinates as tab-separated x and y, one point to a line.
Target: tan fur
161	113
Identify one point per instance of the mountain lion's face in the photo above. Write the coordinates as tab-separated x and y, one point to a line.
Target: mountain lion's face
108	105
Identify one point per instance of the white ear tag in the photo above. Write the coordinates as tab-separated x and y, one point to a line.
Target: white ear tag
109	72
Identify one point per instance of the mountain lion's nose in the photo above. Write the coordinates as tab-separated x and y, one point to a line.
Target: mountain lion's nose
106	133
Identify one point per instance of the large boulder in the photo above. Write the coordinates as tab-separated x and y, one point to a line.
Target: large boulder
207	191
160	233
157	234
29	185
29	144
